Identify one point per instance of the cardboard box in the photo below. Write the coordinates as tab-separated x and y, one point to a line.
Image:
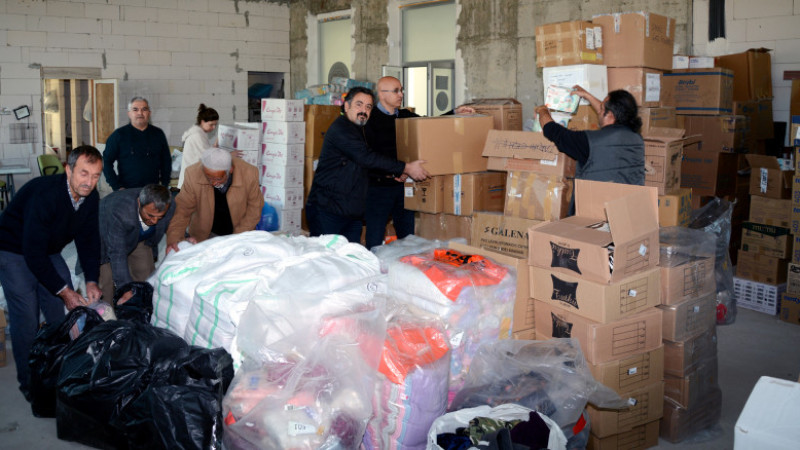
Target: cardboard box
600	342
701	62
753	73
632	372
698	91
443	226
767	179
689	318
687	277
282	176
680	62
507	112
600	302
678	422
239	136
562	165
318	119
637	39
567	43
425	196
663	154
518	145
523	305
643	83
502	234
766	240
675	209
279	132
790	308
638	438
289	220
585	118
605	212
252	157
757	296
761	268
796	249
726	133
759	114
448	144
282	154
768	418
770	211
690	390
281	109
592	77
535	196
661	117
709	173
647	405
793	278
282	197
470	192
681	358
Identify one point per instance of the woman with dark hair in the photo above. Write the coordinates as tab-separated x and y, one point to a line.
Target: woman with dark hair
196	139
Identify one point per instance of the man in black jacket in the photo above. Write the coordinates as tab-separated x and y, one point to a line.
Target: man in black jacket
336	202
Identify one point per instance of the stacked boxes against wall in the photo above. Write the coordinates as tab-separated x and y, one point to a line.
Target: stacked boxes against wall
595	278
318	119
790	300
282	150
692	398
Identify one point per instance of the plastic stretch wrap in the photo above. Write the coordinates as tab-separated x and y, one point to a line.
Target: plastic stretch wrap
681	245
409	245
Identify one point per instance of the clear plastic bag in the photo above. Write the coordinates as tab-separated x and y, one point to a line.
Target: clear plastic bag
409	245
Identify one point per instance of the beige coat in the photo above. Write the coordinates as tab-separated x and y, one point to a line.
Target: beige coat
195	203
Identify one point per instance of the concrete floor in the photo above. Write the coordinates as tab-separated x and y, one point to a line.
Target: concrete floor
755	345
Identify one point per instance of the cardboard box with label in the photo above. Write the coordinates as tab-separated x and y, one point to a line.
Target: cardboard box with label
507	112
790	308
641	437
793	278
753	71
637	39
661	117
698	91
678	423
282	197
766	240
770	211
761	268
561	165
701	62
759	114
726	133
643	83
239	136
518	145
448	144
767	179
631	372
675	209
600	302
470	192
681	358
689	391
606	213
281	109
425	196
279	132
689	318
501	233
282	176
663	155
567	43
318	119
709	173
289	219
592	77
443	226
535	196
600	342
282	154
685	277
646	405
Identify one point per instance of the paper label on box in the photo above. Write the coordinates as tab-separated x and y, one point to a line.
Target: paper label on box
652	87
632	293
633	371
764	179
598	37
548	162
642	249
590	38
409	191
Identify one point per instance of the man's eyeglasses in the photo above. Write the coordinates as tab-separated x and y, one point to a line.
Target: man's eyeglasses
396	91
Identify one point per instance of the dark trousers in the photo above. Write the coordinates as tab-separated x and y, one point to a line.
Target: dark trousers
321	222
382	202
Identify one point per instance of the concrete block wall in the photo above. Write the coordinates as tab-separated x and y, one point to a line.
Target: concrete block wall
177	53
773	24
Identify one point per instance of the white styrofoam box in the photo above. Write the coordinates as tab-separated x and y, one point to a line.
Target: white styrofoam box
701	62
240	136
290	219
680	62
769	418
251	157
282	176
286	154
282	197
281	132
757	296
592	77
280	109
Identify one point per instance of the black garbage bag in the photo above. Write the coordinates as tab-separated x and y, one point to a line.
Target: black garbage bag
138	308
47	352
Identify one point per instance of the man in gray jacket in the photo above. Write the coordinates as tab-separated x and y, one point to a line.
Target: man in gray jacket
132	223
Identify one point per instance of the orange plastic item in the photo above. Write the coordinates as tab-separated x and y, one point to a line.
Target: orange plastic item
452	271
407	348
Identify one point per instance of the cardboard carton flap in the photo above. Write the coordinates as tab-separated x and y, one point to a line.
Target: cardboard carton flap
519	144
662	134
592	196
628	217
756	161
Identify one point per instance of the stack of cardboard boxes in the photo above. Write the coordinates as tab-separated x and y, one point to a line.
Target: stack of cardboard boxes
244	137
790	300
283	137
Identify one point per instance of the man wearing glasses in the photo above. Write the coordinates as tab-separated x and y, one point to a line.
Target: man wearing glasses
139	149
385	194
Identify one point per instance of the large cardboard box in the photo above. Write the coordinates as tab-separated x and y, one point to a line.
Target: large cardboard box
725	133
690	390
282	197
698	91
425	196
281	109
470	192
502	234
643	83
279	132
562	165
661	117
601	342
518	145
567	43
535	196
600	302
685	277
585	118
239	136
523	319
606	213
767	179
638	438
678	422
592	77
681	358
443	226
689	318
675	209
761	268
753	73
766	240
282	176
507	112
663	154
790	308
631	372
757	296
771	211
759	115
282	154
793	278
448	144
637	39
646	405
709	173
318	119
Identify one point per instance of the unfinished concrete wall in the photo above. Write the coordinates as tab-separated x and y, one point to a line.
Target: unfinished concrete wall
177	53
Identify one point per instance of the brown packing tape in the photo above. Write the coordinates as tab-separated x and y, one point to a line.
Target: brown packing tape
552	184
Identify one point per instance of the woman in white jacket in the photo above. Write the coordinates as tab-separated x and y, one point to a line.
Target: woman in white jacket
195	139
